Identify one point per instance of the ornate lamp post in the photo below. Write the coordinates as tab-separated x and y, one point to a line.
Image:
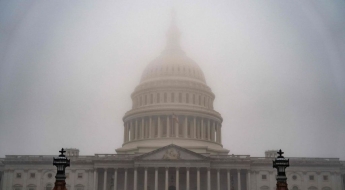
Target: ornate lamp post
281	163
61	163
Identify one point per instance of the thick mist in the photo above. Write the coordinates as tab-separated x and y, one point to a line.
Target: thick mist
277	68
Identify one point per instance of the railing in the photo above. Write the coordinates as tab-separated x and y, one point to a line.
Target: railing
42	157
115	156
230	156
131	156
298	158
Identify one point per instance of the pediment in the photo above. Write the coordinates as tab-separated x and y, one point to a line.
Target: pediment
171	152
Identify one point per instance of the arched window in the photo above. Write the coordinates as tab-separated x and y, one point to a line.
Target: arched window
264	188
294	188
49	186
17	187
79	187
31	187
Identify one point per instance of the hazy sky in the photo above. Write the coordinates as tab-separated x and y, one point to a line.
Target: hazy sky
277	68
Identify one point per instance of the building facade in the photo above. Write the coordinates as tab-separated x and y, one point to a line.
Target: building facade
172	140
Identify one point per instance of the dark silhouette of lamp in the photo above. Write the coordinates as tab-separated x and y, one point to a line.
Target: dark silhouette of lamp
281	163
61	163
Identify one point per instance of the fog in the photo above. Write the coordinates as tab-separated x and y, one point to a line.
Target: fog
277	68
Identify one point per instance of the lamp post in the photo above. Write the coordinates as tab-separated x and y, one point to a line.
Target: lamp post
61	163
281	163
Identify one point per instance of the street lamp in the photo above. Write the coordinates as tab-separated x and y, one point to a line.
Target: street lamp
281	163
61	163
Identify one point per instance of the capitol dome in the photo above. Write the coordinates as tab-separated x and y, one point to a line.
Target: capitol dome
172	105
173	65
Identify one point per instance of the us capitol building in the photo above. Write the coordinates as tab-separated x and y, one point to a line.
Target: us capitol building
172	140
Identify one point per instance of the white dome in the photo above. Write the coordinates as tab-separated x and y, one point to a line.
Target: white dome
173	65
172	103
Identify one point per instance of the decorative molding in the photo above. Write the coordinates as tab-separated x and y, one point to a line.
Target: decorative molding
171	154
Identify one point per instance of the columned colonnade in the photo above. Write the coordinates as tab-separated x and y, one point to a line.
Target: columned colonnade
184	178
162	126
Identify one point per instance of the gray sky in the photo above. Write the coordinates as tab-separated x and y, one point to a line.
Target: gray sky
277	68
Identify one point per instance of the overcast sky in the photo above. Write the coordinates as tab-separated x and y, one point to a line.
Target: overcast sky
277	68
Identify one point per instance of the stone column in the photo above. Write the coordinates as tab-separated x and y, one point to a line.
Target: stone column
25	174
248	180
185	127
194	128
177	179
135	179
208	130
125	182
168	126
124	133
39	177
4	179
115	178
177	128
136	130
208	179
105	179
198	178
339	181
7	178
166	178
304	179
331	179
11	176
239	179
95	173
212	131
150	128
131	131
218	179
272	181
218	133
159	127
187	179
145	179
73	178
128	128
202	136
142	134
228	178
156	178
